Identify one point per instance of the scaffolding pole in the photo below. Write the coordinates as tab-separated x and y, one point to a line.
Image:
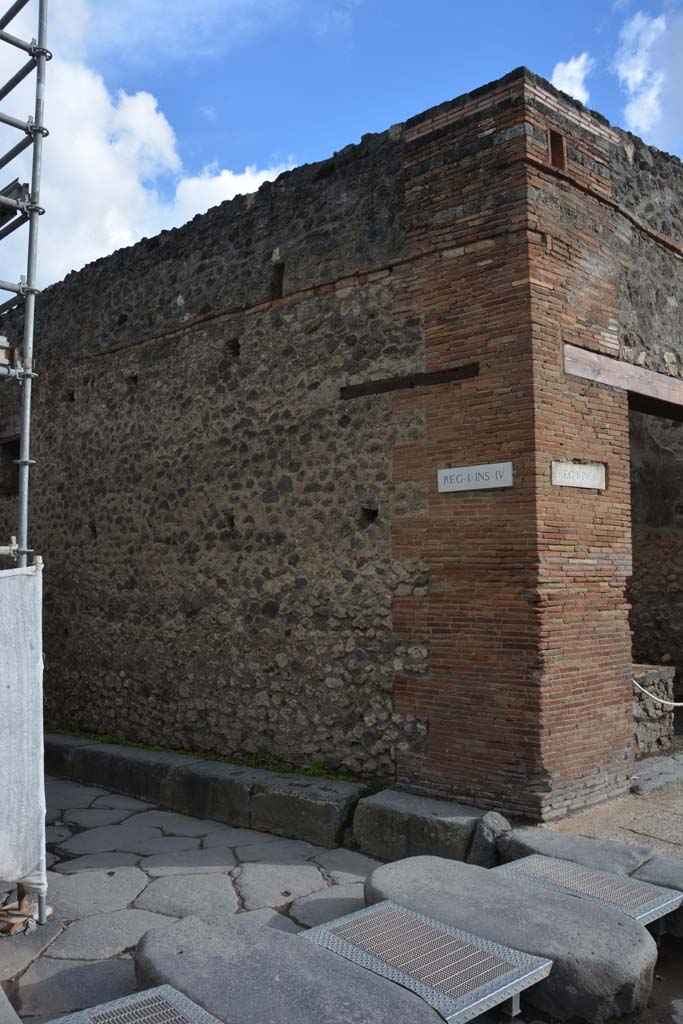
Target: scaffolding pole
20	204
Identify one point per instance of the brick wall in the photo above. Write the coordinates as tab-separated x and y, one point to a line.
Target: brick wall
236	494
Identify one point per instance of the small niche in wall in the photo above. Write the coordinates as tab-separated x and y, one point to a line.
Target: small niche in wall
277	281
678	514
9	471
557	147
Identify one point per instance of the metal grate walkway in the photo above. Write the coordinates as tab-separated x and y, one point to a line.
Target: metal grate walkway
458	974
163	1005
639	900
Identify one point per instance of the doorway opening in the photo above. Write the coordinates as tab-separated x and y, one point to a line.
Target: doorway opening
655	590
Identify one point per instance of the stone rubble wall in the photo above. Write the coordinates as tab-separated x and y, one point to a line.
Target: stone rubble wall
653	722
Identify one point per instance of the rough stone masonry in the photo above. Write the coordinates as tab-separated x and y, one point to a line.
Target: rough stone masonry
238	430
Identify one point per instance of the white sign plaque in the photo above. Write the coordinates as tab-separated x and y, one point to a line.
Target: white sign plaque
475	478
578	474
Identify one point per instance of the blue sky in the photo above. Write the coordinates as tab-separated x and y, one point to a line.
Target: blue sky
295	90
159	109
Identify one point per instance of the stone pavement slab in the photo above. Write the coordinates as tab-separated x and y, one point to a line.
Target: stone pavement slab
286	851
276	885
346	865
319	907
105	935
53	987
271	918
120	802
173	824
96	862
91	817
603	961
17	952
208	896
190	862
94	892
128	839
56	834
62	793
227	835
245	973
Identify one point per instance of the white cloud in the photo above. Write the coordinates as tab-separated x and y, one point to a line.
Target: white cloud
570	76
649	65
112	172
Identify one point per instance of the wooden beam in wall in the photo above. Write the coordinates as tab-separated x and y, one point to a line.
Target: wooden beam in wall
605	370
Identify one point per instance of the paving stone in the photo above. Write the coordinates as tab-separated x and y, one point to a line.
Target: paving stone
391	825
62	793
105	935
270	918
128	839
94	892
53	987
190	862
119	802
484	848
246	974
209	896
233	837
317	810
50	859
96	862
346	865
276	885
334	902
55	834
667	872
173	824
602	854
92	817
286	851
602	960
18	951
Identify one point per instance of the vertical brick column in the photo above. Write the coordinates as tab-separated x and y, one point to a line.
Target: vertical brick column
584	541
527	692
466	199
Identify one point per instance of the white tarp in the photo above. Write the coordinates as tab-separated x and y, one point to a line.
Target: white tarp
22	789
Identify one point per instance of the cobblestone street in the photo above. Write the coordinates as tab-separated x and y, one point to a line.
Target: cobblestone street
119	867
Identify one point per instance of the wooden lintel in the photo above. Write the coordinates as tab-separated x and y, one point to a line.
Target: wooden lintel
410	380
618	374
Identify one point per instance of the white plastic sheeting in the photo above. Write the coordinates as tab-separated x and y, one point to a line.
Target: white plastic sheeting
22	789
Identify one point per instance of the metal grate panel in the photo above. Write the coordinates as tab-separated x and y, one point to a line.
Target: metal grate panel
163	1005
639	900
458	974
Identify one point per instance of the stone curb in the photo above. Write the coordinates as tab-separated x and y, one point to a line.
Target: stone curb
296	806
392	825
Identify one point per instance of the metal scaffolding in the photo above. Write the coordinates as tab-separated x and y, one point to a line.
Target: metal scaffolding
19	205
